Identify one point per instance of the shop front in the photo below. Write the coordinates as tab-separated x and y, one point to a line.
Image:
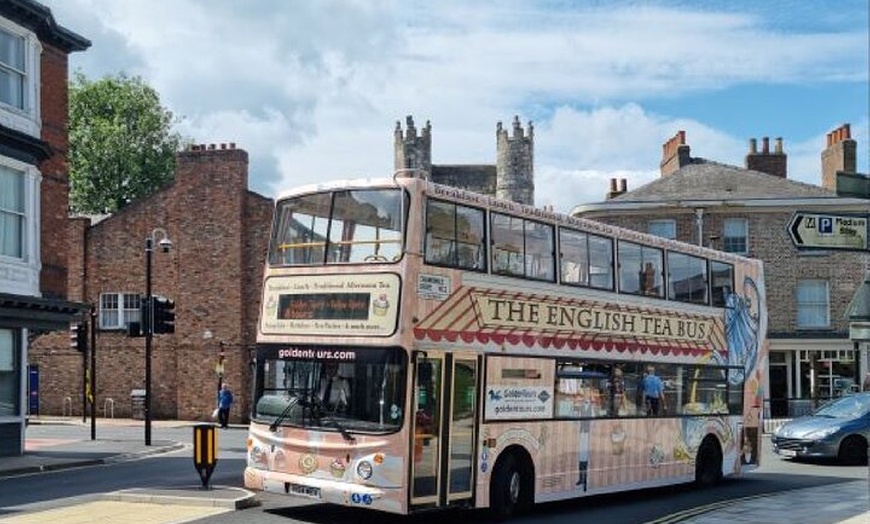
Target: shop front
805	373
22	317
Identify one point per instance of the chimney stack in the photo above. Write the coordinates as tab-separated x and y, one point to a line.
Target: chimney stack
775	163
839	156
675	154
617	187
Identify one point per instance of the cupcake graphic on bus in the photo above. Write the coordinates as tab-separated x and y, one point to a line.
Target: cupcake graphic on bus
380	305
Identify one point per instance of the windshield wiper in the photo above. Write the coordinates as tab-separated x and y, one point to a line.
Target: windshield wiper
295	398
323	410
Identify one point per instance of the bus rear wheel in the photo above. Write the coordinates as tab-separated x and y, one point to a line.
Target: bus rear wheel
510	487
708	463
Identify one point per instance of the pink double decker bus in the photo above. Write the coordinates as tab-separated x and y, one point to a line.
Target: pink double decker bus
423	347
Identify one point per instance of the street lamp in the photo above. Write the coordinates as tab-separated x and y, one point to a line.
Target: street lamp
165	245
207	335
219	367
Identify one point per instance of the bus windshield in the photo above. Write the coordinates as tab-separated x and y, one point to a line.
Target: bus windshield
352	390
339	227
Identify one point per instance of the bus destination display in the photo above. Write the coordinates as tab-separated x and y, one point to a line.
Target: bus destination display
324	306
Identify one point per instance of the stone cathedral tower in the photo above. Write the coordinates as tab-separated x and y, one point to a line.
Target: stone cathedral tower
515	164
412	151
511	178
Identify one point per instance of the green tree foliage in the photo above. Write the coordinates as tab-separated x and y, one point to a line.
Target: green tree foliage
122	146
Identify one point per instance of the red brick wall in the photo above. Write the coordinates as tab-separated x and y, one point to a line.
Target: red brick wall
219	231
55	173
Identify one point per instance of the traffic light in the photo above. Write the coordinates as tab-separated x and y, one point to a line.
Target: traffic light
78	337
164	315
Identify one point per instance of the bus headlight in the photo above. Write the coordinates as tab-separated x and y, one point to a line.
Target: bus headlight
364	469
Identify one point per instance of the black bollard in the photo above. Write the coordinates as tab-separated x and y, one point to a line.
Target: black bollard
204	451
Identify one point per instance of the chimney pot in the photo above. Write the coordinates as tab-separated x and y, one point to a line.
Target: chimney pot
232	145
765	145
778	147
623	185
613	185
753	146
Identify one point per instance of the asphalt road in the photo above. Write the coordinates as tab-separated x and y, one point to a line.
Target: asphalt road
55	489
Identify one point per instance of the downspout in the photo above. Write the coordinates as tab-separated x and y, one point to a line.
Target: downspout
699	225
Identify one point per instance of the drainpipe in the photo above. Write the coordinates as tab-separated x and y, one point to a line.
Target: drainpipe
699	224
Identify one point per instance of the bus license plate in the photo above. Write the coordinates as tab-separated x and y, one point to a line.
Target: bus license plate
303	491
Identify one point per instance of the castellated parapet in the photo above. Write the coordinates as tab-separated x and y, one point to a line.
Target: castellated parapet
515	177
510	178
413	151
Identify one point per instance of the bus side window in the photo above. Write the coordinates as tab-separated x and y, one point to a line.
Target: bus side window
438	250
539	248
470	238
470	257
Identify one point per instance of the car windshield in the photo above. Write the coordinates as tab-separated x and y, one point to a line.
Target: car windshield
362	390
852	406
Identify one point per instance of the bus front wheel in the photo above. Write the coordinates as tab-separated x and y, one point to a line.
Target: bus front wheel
510	487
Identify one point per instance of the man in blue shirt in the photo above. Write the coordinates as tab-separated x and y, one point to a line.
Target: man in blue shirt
653	391
225	400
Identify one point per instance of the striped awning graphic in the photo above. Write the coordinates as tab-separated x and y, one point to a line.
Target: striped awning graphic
460	319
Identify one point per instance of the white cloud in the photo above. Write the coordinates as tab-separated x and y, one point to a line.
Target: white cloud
313	89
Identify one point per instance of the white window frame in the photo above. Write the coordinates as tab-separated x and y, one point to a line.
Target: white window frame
115	313
813	301
25	118
16	212
20	274
729	236
665	228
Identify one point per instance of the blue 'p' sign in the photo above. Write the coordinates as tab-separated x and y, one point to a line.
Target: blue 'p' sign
826	225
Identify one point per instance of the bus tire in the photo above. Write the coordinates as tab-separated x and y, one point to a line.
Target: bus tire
708	463
510	489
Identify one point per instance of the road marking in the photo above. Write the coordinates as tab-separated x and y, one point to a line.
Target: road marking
110	512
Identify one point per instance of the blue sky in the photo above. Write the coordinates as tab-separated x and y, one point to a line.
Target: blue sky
312	90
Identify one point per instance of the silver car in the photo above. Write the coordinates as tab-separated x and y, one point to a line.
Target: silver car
839	429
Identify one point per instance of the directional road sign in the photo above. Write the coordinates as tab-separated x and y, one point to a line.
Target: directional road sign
816	230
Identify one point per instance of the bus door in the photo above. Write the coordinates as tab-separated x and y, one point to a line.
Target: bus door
444	428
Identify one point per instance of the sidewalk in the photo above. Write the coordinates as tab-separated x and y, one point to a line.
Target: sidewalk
121	506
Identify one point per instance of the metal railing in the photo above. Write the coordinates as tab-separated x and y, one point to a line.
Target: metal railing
109	408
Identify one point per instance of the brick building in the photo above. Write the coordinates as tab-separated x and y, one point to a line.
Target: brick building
34	188
749	211
219	231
